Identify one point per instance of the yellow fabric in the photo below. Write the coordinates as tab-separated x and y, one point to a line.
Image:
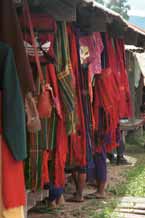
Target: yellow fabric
13	213
8	213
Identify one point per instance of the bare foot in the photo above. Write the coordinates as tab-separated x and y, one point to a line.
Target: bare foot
76	198
52	205
100	195
60	201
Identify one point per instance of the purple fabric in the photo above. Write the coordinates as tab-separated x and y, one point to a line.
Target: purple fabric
107	139
118	135
98	169
100	165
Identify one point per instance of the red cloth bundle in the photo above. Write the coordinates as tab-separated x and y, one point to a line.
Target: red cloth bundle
104	98
125	107
13	184
78	139
45	179
60	155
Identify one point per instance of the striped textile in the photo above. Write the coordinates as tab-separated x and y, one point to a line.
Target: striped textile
64	76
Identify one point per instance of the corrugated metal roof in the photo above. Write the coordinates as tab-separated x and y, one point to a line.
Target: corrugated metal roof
115	14
136	29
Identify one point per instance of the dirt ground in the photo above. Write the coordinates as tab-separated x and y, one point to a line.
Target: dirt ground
84	210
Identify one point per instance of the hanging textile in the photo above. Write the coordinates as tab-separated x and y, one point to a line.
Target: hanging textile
41	144
64	76
95	47
17	212
11	170
13	185
125	98
60	154
10	33
86	86
78	139
112	62
54	84
13	118
44	30
106	99
92	47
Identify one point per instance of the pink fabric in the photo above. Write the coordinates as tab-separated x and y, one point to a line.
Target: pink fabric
95	47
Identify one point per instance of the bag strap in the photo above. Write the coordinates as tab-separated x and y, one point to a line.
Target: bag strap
30	25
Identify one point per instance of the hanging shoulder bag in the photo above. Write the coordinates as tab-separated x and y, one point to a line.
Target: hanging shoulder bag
44	99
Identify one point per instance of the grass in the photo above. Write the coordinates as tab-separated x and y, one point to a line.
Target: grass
135	177
134	184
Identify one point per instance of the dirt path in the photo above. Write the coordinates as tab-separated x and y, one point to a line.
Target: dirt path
91	205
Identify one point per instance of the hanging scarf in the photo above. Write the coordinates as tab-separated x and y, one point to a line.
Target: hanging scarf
77	139
64	76
107	96
60	154
125	107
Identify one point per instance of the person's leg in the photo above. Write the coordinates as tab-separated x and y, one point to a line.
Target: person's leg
52	197
79	179
55	197
60	197
101	172
81	185
101	190
111	157
120	149
75	178
120	153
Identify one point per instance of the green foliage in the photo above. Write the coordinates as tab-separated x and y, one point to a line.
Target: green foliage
120	6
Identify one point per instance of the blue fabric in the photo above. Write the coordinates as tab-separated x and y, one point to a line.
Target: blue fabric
55	193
